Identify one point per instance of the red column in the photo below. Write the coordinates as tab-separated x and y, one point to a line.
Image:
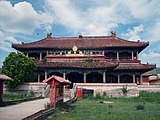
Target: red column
1	90
53	94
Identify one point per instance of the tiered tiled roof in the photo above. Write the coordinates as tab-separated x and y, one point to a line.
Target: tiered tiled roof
78	64
135	67
81	42
4	77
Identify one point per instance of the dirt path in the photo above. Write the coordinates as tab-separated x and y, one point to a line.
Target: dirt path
22	110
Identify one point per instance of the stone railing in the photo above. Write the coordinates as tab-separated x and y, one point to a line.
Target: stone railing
112	89
25	88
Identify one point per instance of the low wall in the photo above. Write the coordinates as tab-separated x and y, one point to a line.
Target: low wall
112	89
149	88
26	88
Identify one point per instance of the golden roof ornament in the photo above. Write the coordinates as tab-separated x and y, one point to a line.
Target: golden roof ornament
75	49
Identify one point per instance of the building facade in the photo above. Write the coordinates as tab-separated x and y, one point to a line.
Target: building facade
92	59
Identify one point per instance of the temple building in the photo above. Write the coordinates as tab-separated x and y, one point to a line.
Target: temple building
88	59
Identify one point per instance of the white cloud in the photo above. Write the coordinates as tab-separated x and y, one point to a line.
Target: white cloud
133	34
153	57
22	18
6	41
97	20
154	32
143	9
100	17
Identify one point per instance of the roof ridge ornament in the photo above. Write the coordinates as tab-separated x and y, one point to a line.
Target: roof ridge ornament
113	34
49	35
80	35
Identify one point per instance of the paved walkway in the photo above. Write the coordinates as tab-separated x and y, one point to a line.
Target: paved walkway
22	110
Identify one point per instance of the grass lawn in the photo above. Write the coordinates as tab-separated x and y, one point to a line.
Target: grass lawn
144	107
7	97
11	99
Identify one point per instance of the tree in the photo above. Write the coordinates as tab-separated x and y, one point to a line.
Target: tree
20	68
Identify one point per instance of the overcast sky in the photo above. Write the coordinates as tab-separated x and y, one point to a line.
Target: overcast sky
30	20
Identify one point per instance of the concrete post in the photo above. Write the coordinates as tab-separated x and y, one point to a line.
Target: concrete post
104	77
39	77
134	78
45	75
103	52
46	53
118	78
132	55
40	56
141	79
117	55
64	75
84	77
137	55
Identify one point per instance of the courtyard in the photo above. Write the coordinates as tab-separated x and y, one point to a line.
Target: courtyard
144	107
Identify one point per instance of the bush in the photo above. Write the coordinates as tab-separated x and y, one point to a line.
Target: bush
110	106
124	89
140	107
104	94
47	105
98	96
20	68
149	97
30	93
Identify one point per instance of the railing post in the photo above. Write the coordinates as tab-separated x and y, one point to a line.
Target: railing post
45	75
137	55
133	78
40	56
132	55
64	75
118	78
104	77
84	77
39	77
117	55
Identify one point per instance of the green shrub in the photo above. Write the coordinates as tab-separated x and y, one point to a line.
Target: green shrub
20	68
30	93
85	96
47	105
140	107
110	106
149	96
98	96
124	89
104	94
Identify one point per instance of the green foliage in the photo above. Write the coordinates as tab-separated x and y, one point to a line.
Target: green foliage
30	93
89	96
110	106
140	107
155	71
12	96
47	105
89	60
98	96
44	61
105	94
149	97
19	67
122	109
124	89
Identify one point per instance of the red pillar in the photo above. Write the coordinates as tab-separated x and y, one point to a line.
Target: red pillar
1	90
53	94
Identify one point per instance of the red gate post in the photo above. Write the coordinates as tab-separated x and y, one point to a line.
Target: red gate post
55	81
2	79
53	94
